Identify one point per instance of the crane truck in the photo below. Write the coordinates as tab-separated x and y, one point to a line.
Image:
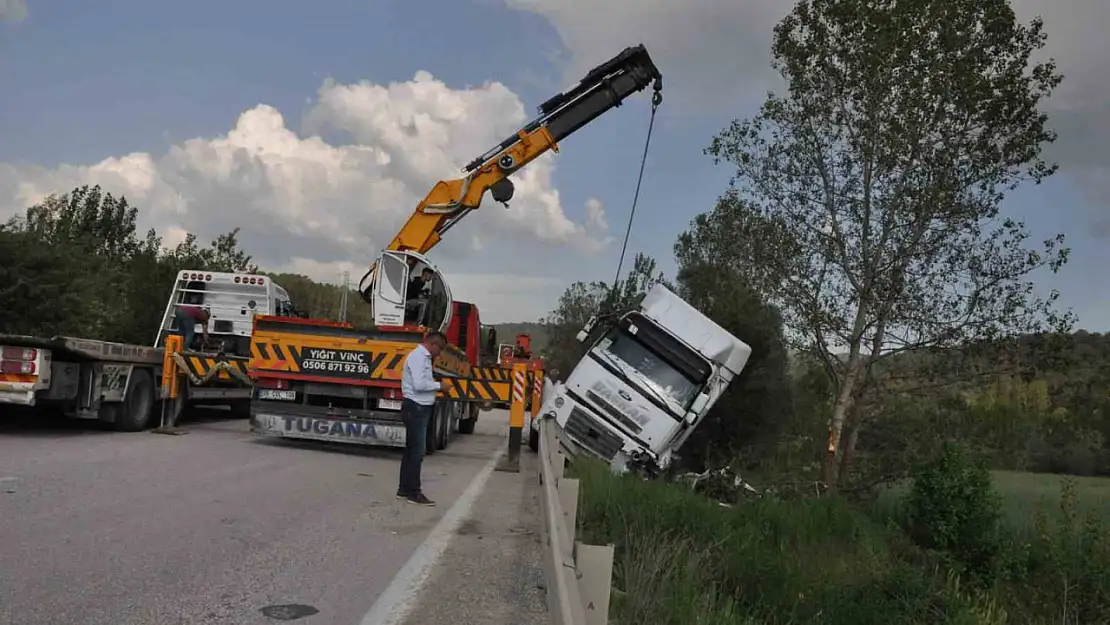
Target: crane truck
118	382
334	382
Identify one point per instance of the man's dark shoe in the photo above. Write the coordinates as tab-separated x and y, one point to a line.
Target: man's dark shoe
401	495
420	500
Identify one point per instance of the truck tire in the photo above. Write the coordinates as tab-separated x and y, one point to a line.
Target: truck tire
466	426
443	433
133	414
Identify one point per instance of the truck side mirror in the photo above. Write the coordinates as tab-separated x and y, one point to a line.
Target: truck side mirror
699	403
582	336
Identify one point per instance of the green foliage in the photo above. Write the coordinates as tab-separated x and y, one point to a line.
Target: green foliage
953	507
75	265
42	288
1067	562
681	559
867	198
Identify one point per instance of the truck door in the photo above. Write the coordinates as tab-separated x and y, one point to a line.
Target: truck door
389	289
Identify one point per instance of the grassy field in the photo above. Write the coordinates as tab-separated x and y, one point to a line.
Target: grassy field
684	559
1022	492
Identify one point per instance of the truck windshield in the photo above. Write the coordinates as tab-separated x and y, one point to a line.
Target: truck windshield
669	374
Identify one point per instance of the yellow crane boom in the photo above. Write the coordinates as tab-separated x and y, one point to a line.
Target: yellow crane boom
603	88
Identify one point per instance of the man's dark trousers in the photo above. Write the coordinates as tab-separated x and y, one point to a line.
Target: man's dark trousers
416	419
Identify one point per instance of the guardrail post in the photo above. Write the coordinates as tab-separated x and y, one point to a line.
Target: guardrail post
520	392
595	580
568	501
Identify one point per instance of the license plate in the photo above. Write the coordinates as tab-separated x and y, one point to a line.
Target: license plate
389	404
267	393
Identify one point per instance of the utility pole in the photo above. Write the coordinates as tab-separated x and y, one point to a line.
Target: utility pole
343	296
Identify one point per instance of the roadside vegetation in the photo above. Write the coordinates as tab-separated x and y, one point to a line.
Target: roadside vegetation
929	433
946	553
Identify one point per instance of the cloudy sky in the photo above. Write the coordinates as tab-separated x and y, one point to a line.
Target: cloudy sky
317	131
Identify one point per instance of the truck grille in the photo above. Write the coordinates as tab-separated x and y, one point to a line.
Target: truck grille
612	411
591	435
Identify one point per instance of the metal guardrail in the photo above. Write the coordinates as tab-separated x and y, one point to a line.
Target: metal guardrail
579	576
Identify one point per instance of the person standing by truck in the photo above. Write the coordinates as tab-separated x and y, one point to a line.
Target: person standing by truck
418	391
187	318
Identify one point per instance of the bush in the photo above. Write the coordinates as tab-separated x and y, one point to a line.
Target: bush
952	507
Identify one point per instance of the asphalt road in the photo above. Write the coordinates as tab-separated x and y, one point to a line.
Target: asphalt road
217	526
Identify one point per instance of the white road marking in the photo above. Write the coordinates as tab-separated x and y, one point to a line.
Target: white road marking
398	599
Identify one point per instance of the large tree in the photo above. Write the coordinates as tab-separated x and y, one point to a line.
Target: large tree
866	201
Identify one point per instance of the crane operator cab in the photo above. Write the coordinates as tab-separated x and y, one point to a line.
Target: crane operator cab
405	289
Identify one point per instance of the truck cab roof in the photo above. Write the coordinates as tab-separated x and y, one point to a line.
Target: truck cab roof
665	308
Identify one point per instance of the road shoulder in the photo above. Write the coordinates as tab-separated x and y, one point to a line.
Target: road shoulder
492	571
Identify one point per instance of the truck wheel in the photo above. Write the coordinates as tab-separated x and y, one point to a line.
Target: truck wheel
466	426
534	439
445	426
134	414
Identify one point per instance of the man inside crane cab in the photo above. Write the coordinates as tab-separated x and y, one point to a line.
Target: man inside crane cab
415	297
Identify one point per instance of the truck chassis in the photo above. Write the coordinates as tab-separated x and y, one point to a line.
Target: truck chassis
117	383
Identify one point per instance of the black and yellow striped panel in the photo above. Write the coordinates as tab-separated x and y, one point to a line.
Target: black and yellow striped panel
359	360
199	365
493	374
463	389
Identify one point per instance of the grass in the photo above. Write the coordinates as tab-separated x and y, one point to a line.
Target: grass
1022	493
683	559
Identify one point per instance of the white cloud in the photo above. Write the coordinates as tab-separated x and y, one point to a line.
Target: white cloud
596	212
339	202
715	55
13	10
712	53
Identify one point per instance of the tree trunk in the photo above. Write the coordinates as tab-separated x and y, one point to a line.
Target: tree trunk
830	473
848	451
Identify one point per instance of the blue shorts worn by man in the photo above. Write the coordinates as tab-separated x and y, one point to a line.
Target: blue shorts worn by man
418	389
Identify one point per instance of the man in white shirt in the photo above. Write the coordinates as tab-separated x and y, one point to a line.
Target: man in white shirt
418	389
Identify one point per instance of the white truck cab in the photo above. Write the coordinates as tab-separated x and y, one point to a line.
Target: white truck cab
232	300
648	379
386	288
